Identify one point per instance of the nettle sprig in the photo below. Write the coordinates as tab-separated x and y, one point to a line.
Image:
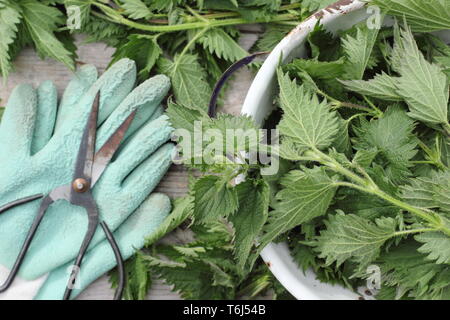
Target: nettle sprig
390	161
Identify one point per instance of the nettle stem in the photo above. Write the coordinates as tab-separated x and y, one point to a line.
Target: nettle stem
367	185
116	17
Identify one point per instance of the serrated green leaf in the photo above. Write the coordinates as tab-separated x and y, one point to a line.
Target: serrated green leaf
422	85
324	46
359	52
382	86
313	5
183	117
289	150
213	198
250	217
410	275
444	61
272	35
318	69
306	194
342	141
436	245
182	209
143	49
138	278
164	5
307	122
220	43
188	80
136	9
99	30
422	16
220	277
202	269
353	237
392	135
41	21
365	157
9	18
239	133
429	192
363	204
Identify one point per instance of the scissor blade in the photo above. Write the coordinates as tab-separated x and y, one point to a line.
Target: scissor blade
85	159
107	151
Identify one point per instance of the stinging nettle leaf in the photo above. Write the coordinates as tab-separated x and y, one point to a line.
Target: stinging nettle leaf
136	9
250	217
313	5
309	123
41	21
436	245
382	86
306	195
220	43
213	198
318	69
188	80
359	52
429	192
182	209
410	275
422	85
183	117
9	18
422	16
143	49
392	136
353	237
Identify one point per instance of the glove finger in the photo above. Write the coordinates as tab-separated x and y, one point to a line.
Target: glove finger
46	115
114	85
129	236
142	180
18	122
148	95
141	145
143	115
83	79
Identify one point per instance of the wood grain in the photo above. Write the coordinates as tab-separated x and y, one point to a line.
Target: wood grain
31	69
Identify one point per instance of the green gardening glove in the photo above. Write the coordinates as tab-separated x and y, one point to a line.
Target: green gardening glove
38	147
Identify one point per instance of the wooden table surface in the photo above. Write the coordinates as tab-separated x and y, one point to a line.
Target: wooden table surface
29	68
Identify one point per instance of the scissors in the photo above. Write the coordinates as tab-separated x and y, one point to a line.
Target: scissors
89	167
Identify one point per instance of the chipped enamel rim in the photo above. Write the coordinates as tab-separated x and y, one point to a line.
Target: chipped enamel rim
259	102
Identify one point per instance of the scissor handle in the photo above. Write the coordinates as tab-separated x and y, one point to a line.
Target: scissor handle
119	259
46	202
93	221
19	202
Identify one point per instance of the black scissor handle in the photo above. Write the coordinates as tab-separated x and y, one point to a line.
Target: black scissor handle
119	259
46	202
19	202
93	221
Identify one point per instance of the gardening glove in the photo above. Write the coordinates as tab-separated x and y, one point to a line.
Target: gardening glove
130	235
38	148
